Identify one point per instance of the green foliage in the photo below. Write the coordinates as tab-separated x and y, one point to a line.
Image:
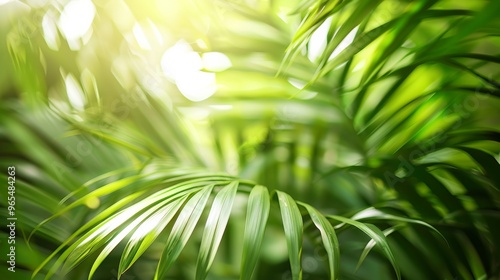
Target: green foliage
252	139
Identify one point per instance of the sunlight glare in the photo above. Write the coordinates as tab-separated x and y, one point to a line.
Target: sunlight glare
75	93
50	31
179	60
76	20
215	61
317	43
196	114
197	86
222	107
156	32
2	2
183	66
344	44
140	37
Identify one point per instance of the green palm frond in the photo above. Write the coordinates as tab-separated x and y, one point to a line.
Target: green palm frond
142	219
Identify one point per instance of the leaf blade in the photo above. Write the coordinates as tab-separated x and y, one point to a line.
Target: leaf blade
138	244
214	228
293	226
377	235
329	238
257	215
182	230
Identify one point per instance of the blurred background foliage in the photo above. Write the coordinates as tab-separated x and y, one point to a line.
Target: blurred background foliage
307	132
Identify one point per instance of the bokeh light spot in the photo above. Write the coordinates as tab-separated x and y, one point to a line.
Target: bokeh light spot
197	86
76	20
215	61
50	31
75	93
183	66
141	37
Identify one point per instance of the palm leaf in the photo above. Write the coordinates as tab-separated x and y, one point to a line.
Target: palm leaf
214	228
292	224
257	215
182	230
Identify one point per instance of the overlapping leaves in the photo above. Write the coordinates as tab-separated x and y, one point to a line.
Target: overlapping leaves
141	218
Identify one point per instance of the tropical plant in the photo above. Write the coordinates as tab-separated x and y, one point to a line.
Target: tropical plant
316	139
